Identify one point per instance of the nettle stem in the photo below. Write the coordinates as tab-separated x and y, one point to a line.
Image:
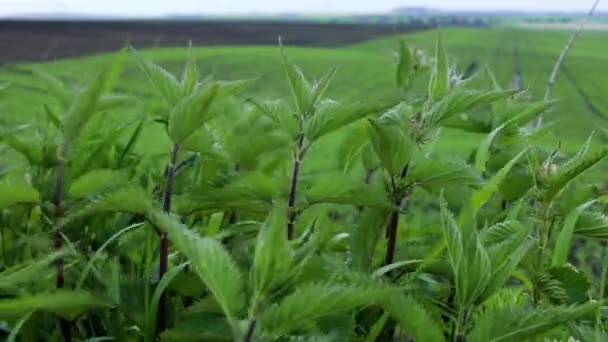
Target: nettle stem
293	189
163	306
393	222
64	325
250	331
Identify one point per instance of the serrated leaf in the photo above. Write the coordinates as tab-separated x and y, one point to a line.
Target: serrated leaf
17	275
17	193
279	113
352	146
300	88
96	181
574	282
163	81
335	188
29	148
191	112
461	101
404	65
439	84
111	101
320	87
210	260
53	118
391	140
365	236
572	170
592	225
82	108
313	301
273	256
54	85
513	323
190	74
413	318
66	303
433	174
565	235
487	190
483	151
131	199
332	115
470	262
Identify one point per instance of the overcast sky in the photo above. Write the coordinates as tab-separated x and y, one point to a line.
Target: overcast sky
196	7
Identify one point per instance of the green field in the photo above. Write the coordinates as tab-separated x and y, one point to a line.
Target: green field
365	71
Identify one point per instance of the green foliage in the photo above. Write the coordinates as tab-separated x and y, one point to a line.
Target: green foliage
513	323
17	193
313	301
211	262
368	256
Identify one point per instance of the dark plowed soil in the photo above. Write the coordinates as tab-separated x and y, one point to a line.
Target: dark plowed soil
47	40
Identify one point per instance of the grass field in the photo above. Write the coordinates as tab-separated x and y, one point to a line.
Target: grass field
365	73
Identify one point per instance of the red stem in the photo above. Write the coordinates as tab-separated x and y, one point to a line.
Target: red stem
293	190
391	237
393	222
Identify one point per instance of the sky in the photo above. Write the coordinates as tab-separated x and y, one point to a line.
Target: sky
233	7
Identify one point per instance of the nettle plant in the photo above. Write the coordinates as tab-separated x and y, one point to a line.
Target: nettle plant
231	235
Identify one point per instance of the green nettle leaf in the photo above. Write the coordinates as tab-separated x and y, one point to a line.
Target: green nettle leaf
130	199
66	303
592	225
210	260
365	236
575	283
16	276
190	74
515	323
460	101
313	301
565	235
191	112
483	151
440	77
469	260
273	256
53	118
82	108
338	189
436	174
487	190
279	113
320	87
29	148
301	90
518	115
112	101
97	181
163	81
352	146
404	66
391	141
413	318
505	253
54	85
17	193
332	115
572	170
